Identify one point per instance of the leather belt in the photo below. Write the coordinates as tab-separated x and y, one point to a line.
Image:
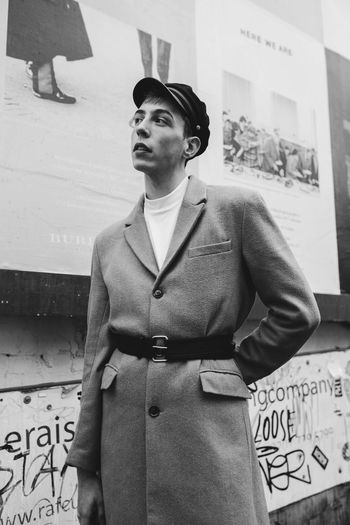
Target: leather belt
160	349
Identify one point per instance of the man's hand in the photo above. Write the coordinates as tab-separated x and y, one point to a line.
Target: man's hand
90	500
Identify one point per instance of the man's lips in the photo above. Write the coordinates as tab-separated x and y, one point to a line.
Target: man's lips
140	146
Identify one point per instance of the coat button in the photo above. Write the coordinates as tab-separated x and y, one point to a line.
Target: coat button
154	411
158	293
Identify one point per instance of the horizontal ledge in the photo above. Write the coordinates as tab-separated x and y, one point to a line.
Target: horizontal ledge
39	294
39	386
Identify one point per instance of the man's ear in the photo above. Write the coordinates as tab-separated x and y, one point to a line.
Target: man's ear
191	147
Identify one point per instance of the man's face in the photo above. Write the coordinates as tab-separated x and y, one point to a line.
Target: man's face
157	141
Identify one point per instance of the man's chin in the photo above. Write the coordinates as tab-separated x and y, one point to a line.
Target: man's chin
141	166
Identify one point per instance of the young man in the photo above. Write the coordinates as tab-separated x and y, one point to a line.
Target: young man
164	436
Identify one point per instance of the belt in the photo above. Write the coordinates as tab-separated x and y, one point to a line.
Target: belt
160	349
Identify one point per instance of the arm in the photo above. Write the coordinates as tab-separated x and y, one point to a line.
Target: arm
85	450
292	310
90	499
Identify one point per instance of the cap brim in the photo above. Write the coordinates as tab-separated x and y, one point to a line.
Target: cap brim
152	85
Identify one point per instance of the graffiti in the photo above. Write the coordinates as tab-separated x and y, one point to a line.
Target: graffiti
282	468
279	468
274	426
346	451
320	457
32	474
301	421
35	484
338	390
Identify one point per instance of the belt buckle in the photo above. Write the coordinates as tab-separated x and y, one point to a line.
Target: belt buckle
159	346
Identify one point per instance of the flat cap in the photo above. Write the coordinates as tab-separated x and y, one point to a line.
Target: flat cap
184	98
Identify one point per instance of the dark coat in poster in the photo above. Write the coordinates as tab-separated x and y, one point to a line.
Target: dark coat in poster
173	440
39	30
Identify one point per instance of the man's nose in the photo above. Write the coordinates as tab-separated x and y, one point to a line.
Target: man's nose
142	129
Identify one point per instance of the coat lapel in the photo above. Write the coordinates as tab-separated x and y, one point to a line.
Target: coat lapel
136	235
190	211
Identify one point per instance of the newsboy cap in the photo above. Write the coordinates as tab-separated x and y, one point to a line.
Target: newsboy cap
184	98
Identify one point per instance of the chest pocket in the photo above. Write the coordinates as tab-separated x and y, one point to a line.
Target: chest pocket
223	377
210	249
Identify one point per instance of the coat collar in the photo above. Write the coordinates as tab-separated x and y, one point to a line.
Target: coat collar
136	233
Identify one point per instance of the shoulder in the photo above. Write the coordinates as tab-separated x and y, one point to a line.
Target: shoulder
234	196
109	235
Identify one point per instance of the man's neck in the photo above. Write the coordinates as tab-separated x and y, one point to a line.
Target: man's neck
161	185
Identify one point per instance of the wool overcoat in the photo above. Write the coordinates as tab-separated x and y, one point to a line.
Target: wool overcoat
172	440
40	30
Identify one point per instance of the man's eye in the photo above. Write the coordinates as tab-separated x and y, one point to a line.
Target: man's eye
161	120
135	121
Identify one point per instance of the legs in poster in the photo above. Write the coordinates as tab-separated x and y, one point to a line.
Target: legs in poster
163	56
44	82
163	59
37	32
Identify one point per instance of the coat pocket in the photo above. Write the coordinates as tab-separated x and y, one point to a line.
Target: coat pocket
224	382
110	372
210	249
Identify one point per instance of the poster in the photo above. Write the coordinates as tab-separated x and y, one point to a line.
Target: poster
338	69
300	417
3	32
336	14
335	17
65	168
35	435
266	85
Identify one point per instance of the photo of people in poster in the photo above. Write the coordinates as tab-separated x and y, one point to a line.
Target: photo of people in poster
270	151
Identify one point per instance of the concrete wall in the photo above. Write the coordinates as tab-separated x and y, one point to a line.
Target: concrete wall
40	371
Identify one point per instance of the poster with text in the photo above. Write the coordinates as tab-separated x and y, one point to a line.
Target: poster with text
300	418
266	86
36	431
65	163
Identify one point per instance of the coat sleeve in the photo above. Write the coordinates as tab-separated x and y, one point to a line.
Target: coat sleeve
292	310
85	449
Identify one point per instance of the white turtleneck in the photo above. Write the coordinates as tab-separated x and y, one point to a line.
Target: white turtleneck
161	216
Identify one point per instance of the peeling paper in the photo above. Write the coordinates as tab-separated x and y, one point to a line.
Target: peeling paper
335	369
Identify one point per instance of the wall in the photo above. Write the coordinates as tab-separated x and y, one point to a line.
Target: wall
300	436
300	419
41	367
